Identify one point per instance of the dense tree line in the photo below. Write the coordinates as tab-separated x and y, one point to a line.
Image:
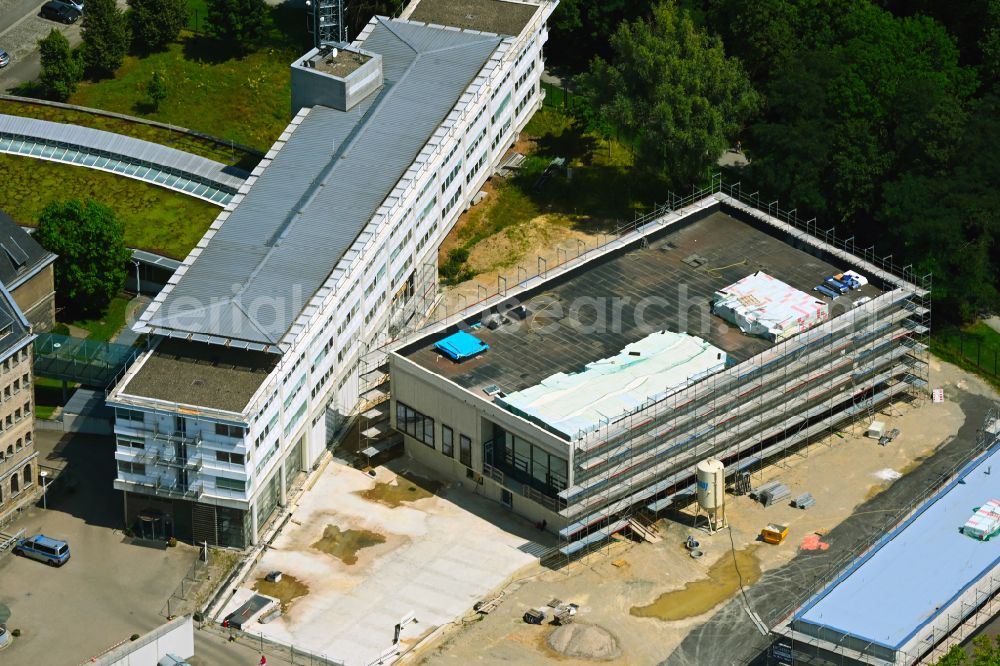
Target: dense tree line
879	118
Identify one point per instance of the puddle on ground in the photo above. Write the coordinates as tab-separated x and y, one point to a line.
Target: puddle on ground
701	596
345	544
287	590
401	490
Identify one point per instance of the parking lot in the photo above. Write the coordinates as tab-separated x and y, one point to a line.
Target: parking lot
109	590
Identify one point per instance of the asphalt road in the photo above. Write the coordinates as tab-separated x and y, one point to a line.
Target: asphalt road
730	637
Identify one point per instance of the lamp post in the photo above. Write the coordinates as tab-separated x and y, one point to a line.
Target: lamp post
44	475
138	288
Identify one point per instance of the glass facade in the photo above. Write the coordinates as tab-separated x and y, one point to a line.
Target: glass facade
267	500
526	462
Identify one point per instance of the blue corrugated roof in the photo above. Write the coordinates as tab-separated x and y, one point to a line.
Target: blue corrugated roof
282	241
917	570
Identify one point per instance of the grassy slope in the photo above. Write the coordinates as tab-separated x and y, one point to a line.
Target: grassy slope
243	98
155	219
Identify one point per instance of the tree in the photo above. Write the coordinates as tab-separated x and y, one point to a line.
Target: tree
587	22
985	652
156	23
242	23
672	89
61	68
106	37
90	243
156	88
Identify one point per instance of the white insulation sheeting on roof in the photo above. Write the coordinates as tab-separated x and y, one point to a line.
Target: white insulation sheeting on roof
605	390
768	308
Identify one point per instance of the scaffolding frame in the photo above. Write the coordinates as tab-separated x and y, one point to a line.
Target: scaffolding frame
757	412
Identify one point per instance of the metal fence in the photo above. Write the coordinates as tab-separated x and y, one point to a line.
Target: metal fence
271	648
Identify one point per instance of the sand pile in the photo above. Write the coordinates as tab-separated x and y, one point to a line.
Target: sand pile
584	641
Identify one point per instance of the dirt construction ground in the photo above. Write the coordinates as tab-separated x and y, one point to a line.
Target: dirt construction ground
658	605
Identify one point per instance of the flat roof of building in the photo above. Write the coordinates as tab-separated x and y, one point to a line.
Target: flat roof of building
256	271
191	373
650	369
337	62
497	16
917	570
638	291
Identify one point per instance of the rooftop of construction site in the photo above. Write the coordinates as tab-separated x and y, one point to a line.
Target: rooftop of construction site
893	596
335	61
496	16
193	373
593	312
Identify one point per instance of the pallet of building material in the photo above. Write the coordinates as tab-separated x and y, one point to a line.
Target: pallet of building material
775	494
763	488
804	501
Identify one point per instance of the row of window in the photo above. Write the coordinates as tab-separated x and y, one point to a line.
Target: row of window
421	428
524	77
448	445
450	178
524	101
475	168
451	202
19	413
475	143
15	358
16	446
16	482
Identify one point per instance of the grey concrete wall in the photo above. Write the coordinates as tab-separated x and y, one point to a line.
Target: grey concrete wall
176	638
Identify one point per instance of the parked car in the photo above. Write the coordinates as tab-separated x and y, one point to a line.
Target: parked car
44	549
75	4
4	58
60	11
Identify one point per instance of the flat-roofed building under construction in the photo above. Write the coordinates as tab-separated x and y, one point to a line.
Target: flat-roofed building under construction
591	391
259	340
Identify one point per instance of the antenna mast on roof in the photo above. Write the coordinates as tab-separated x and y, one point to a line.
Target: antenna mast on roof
326	21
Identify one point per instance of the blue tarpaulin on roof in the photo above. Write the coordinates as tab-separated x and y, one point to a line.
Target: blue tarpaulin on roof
461	345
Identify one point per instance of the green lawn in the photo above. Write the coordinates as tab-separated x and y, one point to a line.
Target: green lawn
155	219
48	396
103	328
975	347
178	140
212	89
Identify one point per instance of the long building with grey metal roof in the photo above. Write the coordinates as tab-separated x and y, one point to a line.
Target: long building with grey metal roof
327	251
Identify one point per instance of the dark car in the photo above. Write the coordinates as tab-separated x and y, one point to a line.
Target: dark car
60	11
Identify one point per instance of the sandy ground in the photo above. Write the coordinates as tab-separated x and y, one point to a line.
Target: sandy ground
433	557
842	472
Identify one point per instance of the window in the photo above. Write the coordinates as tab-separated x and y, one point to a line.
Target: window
465	450
19	445
131	442
224	430
129	415
27	476
234	458
415	424
230	484
131	467
447	441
